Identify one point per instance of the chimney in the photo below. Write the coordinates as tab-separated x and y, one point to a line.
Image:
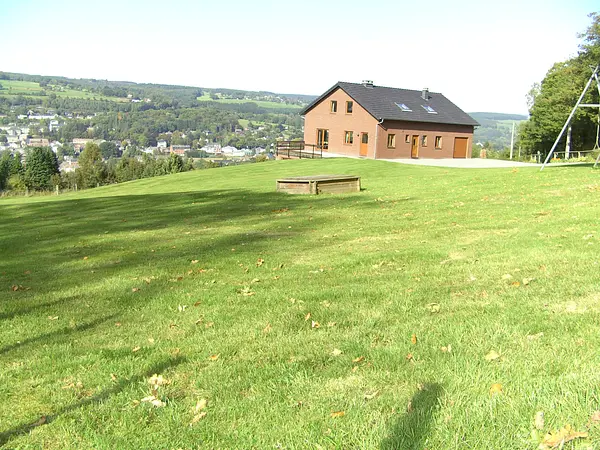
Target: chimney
425	94
368	84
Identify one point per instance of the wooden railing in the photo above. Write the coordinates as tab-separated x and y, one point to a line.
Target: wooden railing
298	149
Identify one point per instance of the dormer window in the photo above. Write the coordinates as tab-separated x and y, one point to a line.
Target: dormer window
403	107
429	109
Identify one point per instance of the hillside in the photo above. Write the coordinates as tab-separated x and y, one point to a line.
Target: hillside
204	309
496	128
19	84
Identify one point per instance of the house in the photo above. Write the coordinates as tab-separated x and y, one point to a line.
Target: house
79	143
38	142
161	144
380	122
179	149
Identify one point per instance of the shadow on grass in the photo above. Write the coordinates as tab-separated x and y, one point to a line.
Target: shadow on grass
47	338
47	241
411	430
25	428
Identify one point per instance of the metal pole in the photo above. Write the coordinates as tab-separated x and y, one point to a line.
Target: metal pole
570	117
568	146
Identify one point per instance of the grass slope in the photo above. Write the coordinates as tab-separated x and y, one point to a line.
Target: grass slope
259	103
29	88
165	276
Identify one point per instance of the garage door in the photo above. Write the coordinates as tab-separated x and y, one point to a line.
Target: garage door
460	147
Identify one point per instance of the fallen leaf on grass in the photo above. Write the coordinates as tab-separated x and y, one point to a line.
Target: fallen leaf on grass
495	388
338	414
135	349
336	352
135	289
315	324
246	292
197	303
433	307
595	417
213	357
209	324
259	262
85	258
515	284
154	401
113	377
307	316
409	357
446	349
52	317
194	261
331	324
526	281
492	355
200	405
181	308
117	324
538	420
157	380
255	280
268	328
413	339
533	337
359	359
506	276
370	395
198	417
559	438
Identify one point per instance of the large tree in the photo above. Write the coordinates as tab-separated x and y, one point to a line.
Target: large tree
92	170
40	164
551	101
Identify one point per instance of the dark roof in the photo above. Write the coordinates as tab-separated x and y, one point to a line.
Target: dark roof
381	103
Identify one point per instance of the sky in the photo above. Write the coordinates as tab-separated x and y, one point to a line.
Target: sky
482	55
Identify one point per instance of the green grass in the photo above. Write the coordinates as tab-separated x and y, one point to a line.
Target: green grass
105	271
259	103
29	88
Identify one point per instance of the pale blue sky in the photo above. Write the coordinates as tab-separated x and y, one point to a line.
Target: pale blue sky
482	55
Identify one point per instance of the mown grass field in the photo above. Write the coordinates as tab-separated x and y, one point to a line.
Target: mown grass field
29	88
259	103
351	321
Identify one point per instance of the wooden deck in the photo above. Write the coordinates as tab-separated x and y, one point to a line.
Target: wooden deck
319	184
298	150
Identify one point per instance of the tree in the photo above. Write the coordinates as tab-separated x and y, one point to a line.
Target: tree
108	149
92	170
551	101
40	165
175	163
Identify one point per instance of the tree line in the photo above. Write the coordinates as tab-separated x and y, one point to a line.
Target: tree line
40	169
551	101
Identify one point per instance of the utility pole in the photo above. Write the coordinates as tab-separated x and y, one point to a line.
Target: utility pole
512	140
568	146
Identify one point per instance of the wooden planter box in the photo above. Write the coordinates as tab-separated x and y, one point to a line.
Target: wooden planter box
319	184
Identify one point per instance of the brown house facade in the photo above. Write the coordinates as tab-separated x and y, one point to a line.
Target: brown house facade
385	123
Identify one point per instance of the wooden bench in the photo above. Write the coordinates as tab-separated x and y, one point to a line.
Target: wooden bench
319	184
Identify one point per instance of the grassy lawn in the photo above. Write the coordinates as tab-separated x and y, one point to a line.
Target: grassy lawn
259	103
349	321
29	88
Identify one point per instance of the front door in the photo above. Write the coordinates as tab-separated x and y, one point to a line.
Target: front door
323	139
414	149
460	147
364	144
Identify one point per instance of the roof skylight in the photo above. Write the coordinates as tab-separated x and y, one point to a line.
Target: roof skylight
403	107
429	109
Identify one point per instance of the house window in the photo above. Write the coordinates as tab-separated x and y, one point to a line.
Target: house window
424	141
403	107
391	141
429	109
348	137
438	142
333	106
349	107
407	138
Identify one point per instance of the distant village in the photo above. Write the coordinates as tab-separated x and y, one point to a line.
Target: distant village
19	137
